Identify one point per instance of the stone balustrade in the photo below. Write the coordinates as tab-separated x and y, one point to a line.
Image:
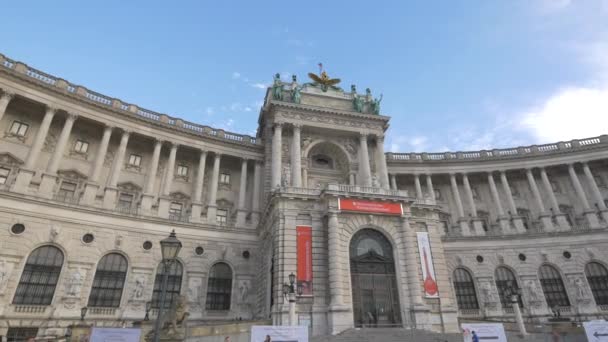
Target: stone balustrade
116	104
501	154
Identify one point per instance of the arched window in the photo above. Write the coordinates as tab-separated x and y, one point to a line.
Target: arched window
174	284
465	290
597	276
506	285
553	287
109	281
219	287
40	276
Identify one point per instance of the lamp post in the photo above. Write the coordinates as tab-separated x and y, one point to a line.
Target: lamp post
169	248
513	294
289	290
148	308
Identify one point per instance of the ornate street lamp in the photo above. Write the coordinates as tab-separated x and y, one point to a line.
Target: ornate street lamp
83	312
148	308
169	249
289	290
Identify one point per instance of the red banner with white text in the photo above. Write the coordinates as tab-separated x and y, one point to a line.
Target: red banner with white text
304	246
379	207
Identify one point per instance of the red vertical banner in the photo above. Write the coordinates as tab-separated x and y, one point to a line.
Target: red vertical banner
304	245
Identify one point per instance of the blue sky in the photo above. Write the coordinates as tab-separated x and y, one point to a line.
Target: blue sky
455	75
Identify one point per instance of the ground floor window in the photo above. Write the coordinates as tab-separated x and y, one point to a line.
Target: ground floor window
20	334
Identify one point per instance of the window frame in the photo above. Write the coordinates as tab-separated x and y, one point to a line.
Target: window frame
40	276
598	282
179	171
506	279
224	221
82	144
4	178
219	289
108	284
134	157
224	178
174	284
554	289
20	126
464	289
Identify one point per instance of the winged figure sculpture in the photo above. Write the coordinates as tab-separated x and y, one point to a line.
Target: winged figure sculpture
323	80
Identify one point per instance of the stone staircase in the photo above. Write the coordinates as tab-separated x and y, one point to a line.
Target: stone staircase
407	335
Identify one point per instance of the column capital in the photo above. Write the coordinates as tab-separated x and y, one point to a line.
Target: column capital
363	136
218	154
158	141
7	94
202	151
297	125
244	159
51	109
277	125
174	144
107	127
72	116
126	132
380	137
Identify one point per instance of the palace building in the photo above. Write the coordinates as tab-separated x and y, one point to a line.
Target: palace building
89	185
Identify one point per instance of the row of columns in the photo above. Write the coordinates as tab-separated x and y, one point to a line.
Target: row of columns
512	221
299	174
92	186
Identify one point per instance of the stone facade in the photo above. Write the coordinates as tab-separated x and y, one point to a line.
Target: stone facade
92	176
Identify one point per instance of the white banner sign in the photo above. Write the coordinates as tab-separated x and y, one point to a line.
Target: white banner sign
115	335
494	332
278	333
426	262
596	331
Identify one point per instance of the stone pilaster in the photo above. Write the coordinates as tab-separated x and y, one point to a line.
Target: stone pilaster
5	99
109	198
364	168
464	225
212	203
519	227
562	222
599	199
148	196
256	200
393	181
165	201
275	177
429	187
340	317
589	214
197	206
92	186
381	163
503	220
49	178
26	173
241	214
296	158
477	224
418	187
545	217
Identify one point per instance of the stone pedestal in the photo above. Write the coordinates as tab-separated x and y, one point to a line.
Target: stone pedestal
562	222
211	214
478	226
340	318
255	218
147	200
163	207
197	209
90	193
465	230
22	182
241	216
519	225
604	214
592	219
47	185
545	219
505	225
109	198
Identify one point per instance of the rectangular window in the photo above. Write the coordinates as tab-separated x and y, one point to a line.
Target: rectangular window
21	334
182	170
67	189
81	146
135	160
19	128
224	178
4	172
175	209
222	217
125	200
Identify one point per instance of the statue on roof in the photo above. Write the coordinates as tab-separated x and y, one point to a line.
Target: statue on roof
357	103
322	80
277	87
375	105
296	96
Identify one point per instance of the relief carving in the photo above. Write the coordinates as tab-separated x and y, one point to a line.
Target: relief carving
74	283
5	272
138	288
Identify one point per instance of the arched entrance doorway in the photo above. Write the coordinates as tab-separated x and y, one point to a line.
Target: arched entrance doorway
372	267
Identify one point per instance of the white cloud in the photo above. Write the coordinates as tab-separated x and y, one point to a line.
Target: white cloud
236	75
259	85
247	109
210	111
571	113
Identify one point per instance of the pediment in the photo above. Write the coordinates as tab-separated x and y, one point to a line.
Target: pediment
72	174
129	186
8	158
